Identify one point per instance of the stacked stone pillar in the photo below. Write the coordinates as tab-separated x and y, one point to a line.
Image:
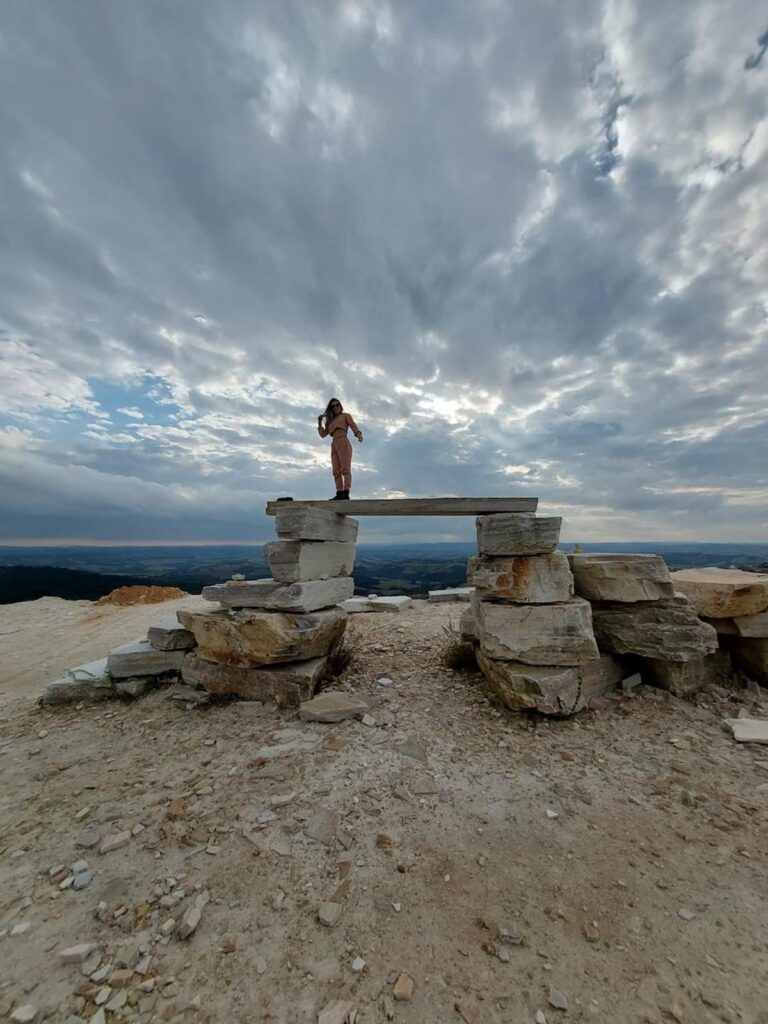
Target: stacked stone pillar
275	637
536	645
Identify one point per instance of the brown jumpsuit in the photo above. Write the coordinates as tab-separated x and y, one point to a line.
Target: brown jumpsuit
341	448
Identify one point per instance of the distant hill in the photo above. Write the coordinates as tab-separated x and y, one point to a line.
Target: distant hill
28	583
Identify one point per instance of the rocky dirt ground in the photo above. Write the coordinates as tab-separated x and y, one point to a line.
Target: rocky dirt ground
610	867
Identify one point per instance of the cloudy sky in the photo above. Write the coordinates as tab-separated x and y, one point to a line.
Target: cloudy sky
525	243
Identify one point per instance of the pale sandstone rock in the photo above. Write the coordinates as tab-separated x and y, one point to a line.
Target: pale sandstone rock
517	533
751	656
286	684
552	690
297	523
467	625
754	626
627	578
748	730
251	638
139	658
269	595
332	706
358	605
294	560
450	594
84	683
193	915
168	635
685	677
723	593
536	634
526	579
77	954
668	630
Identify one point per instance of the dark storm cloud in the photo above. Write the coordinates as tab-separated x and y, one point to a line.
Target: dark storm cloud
525	243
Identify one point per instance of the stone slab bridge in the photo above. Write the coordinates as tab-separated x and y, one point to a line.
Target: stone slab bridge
414	506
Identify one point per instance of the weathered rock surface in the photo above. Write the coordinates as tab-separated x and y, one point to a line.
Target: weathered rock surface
685	677
286	684
136	686
140	658
467	625
751	656
527	579
629	578
669	630
450	594
294	560
723	593
270	595
84	683
552	690
250	638
376	604
168	635
297	523
754	626
536	634
516	533
332	706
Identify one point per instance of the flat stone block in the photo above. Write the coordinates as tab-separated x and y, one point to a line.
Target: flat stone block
723	593
85	683
536	634
136	687
517	533
552	690
250	638
526	579
168	635
287	684
296	522
621	577
414	506
450	594
140	658
357	605
754	626
668	630
331	707
294	560
467	625
269	595
750	655
685	677
396	603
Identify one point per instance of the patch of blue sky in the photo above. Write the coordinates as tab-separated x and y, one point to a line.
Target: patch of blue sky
130	402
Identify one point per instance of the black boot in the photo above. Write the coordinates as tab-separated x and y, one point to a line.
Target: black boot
338	496
344	495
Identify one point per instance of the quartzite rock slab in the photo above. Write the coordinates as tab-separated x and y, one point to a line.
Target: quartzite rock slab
270	595
517	533
552	690
723	593
288	684
251	638
536	634
669	630
86	682
294	560
620	577
685	677
140	658
332	706
526	579
168	635
292	522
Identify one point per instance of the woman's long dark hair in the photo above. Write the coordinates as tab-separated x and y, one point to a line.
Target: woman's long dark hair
328	415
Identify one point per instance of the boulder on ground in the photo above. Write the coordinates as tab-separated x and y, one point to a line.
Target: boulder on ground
723	593
552	690
536	634
250	637
620	577
270	595
525	579
168	635
140	658
450	594
517	533
669	630
287	684
84	683
685	677
297	523
332	706
294	560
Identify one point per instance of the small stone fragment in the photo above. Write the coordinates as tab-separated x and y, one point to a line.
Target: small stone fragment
557	999
337	1012
25	1014
686	914
510	934
121	978
403	990
88	839
192	915
358	965
329	913
114	841
77	954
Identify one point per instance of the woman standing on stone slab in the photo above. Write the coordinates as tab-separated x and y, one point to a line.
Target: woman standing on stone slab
334	423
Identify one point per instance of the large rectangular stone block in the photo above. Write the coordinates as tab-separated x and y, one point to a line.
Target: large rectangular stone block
270	595
168	635
536	634
250	638
526	579
450	595
140	658
552	690
723	593
297	523
750	655
685	677
84	683
294	560
669	630
288	684
517	533
620	577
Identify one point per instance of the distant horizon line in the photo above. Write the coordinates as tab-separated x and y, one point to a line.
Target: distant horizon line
70	543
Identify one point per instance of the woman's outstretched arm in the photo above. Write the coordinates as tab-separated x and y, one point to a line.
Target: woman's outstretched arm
354	428
320	428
